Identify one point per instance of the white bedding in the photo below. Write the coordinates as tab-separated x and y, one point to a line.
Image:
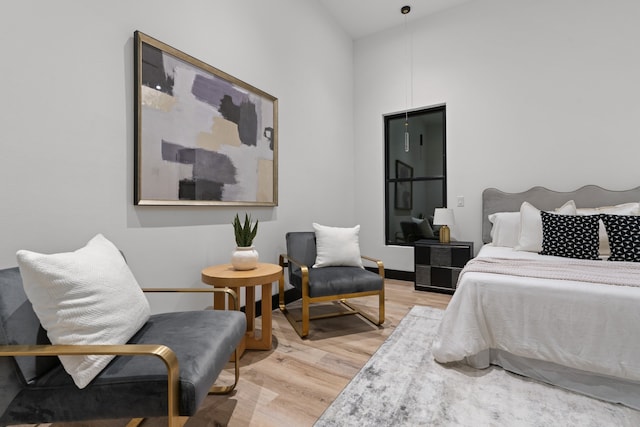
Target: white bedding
586	326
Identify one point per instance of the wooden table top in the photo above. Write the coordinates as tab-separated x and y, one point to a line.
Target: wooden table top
226	275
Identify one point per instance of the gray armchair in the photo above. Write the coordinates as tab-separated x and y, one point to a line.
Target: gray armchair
325	284
167	368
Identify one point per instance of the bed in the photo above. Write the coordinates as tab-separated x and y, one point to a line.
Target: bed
574	323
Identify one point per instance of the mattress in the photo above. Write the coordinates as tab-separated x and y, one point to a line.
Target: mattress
536	326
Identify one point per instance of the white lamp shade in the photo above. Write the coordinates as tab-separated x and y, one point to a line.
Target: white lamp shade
443	216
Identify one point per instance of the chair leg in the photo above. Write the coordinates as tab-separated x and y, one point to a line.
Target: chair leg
300	326
283	308
376	321
305	317
281	288
381	315
229	388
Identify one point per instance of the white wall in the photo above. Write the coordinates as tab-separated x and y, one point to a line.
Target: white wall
541	92
66	126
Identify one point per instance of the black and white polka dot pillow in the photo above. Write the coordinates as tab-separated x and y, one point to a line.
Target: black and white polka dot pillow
570	236
624	236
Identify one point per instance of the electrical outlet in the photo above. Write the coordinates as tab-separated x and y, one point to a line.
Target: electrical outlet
460	201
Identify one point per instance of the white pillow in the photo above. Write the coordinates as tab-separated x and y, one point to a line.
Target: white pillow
84	297
531	225
337	246
506	228
622	209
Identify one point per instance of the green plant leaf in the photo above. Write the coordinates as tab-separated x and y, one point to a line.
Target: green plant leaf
244	233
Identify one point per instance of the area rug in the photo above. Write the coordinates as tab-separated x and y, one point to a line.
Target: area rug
401	385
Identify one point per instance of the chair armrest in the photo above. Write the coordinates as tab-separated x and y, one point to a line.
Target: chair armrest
304	269
163	352
159	350
292	260
228	291
378	262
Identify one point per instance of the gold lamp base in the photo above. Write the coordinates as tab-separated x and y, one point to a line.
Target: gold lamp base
445	234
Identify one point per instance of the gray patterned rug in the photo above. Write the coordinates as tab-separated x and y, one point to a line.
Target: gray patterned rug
401	385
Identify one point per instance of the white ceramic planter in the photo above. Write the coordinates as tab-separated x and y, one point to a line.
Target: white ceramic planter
244	258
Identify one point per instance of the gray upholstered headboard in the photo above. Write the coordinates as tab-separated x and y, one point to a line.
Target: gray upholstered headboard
589	196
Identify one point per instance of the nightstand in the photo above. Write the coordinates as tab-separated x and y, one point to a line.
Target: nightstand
438	265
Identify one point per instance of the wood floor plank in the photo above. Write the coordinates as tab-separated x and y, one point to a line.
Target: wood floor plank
307	375
294	382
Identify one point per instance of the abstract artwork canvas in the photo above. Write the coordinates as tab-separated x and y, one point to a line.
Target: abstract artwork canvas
202	137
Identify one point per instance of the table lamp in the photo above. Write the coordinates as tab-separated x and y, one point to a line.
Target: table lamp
444	217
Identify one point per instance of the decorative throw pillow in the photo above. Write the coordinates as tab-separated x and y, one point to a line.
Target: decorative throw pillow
425	228
337	246
624	237
84	297
506	228
570	236
530	238
622	209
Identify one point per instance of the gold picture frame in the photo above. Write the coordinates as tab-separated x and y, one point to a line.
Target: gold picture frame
202	136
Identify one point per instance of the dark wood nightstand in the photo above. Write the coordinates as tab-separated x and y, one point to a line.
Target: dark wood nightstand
438	265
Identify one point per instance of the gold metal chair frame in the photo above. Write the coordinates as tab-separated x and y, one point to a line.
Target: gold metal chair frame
163	352
301	326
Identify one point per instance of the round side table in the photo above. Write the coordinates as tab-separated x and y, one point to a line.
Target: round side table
224	275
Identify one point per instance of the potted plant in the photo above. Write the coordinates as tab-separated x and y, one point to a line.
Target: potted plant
245	257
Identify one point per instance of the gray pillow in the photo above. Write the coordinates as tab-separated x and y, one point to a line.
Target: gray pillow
425	228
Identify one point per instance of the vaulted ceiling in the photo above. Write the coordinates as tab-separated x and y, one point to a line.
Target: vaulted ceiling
361	18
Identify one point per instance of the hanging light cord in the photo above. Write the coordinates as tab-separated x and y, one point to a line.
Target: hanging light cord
410	57
408	92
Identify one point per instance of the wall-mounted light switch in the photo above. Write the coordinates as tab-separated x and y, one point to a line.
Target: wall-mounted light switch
460	201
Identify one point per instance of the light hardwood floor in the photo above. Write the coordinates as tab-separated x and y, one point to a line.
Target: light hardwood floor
292	384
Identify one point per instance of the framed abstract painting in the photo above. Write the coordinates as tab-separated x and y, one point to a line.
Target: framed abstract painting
202	137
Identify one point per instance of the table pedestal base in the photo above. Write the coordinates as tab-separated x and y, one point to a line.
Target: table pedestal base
264	276
254	339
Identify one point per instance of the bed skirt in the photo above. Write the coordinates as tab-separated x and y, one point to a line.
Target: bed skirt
607	388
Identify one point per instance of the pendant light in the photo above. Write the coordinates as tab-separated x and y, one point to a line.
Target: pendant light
405	11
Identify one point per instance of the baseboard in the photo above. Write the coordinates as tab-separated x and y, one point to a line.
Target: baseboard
290	296
409	276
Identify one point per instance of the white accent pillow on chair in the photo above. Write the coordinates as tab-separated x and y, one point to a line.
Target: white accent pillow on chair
84	297
337	246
